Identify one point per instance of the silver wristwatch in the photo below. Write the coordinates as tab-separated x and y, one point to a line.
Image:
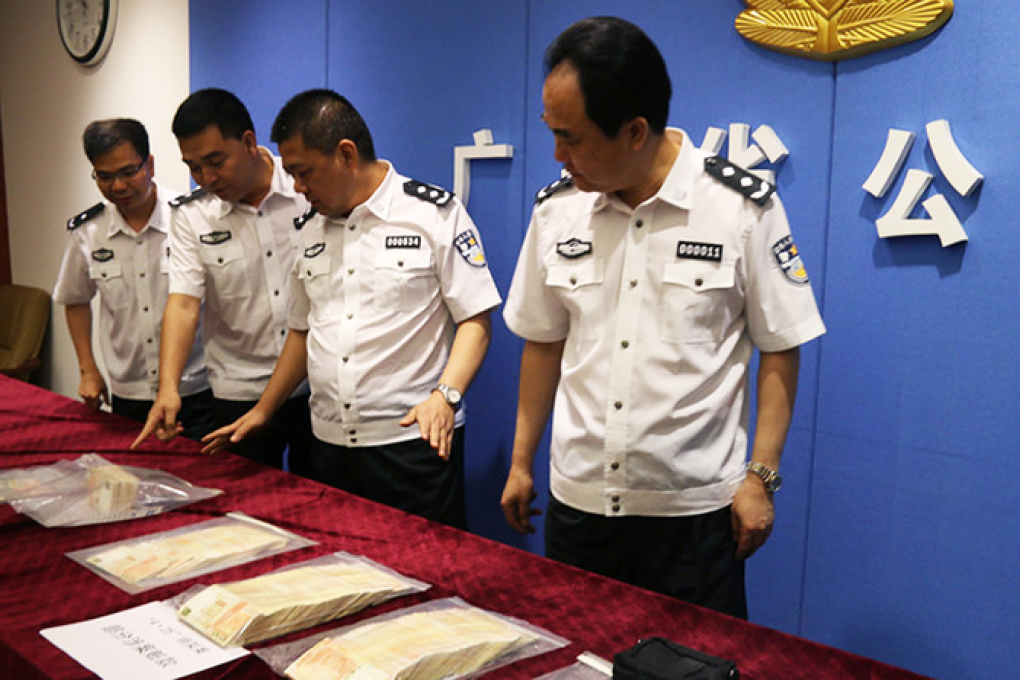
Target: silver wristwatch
450	394
769	476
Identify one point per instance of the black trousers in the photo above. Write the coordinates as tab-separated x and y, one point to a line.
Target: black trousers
689	558
408	475
196	412
289	431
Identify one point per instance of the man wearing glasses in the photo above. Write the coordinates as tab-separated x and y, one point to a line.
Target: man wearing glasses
118	249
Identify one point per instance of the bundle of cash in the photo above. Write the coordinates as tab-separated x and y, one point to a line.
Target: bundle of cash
285	601
111	488
445	643
179	555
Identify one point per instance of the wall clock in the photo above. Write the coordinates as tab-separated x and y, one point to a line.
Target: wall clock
86	28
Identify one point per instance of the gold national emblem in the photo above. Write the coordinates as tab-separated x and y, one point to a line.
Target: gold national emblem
830	30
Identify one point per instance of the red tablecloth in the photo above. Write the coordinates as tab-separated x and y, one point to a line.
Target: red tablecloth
40	587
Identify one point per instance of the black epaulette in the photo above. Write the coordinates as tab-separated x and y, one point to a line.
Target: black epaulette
550	189
83	217
752	187
427	192
184	199
301	220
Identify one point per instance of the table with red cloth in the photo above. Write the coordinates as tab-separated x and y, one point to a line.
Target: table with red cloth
40	587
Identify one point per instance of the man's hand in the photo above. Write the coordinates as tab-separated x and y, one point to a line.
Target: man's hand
518	495
162	420
753	514
222	438
435	419
92	390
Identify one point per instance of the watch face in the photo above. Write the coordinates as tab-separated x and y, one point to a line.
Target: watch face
84	27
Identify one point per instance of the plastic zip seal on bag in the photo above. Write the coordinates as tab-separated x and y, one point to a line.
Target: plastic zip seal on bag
146	562
587	667
92	490
447	639
293	598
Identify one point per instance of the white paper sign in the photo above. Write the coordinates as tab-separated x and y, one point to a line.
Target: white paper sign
145	642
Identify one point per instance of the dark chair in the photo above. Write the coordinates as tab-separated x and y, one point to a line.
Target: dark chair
24	316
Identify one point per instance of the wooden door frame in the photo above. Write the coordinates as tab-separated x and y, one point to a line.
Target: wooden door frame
5	243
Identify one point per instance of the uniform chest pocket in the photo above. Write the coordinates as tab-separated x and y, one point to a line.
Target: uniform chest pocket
113	287
700	301
579	287
226	269
314	275
404	279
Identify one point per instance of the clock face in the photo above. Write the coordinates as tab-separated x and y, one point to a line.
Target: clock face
85	28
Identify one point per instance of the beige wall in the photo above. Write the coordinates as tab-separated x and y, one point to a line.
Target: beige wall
47	99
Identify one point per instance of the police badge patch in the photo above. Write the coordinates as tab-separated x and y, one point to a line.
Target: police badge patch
214	238
574	248
469	248
102	255
788	258
313	251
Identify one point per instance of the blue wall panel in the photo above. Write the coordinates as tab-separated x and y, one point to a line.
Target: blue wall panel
913	531
261	50
896	530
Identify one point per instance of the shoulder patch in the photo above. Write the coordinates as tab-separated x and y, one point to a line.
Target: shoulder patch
302	220
184	199
83	217
427	192
752	187
550	189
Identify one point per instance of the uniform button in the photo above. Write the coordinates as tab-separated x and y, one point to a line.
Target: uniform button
352	432
345	359
354	440
698	282
219	260
276	292
145	309
351	227
103	275
138	241
616	499
308	272
639	224
633	283
400	263
142	275
269	253
153	372
573	280
350	316
350	271
283	332
260	213
625	344
618	405
347	406
616	508
614	465
148	340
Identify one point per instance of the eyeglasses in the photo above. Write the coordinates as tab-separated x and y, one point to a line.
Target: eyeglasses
125	174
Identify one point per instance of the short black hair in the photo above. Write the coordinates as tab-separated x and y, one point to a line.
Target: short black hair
621	72
103	136
323	118
212	106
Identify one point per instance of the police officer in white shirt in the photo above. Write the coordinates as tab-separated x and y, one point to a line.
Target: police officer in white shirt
389	319
644	283
232	243
118	250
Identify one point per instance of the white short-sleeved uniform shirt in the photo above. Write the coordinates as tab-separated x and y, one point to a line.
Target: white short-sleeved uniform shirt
238	259
129	272
659	307
380	293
